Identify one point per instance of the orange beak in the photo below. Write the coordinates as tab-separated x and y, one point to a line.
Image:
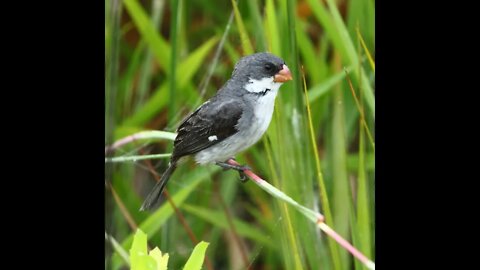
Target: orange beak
283	75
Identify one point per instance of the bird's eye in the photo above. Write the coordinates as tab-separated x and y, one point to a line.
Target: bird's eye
268	66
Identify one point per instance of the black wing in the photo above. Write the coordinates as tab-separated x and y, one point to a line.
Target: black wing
214	118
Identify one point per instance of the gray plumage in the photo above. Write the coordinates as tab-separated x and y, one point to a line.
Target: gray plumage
232	120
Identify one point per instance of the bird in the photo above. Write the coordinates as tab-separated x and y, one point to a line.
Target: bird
231	121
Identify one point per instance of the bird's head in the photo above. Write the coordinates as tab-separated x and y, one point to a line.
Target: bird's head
260	70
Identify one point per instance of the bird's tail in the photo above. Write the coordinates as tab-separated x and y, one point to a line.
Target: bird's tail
154	195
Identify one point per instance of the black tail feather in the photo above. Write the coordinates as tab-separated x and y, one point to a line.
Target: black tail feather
154	196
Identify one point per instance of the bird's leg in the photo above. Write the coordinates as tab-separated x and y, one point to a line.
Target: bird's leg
240	169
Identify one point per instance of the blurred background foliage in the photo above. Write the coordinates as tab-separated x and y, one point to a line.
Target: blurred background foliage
164	58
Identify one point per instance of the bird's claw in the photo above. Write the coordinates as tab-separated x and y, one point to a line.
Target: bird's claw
243	177
241	172
240	169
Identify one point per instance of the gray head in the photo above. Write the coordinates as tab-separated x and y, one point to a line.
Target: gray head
259	66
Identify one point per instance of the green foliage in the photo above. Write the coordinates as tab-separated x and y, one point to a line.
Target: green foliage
317	149
139	257
196	259
155	260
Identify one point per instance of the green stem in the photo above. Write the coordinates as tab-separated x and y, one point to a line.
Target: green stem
137	158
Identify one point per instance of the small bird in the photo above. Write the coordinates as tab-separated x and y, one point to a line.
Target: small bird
231	121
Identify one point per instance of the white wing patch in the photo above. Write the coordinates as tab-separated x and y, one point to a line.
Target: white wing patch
212	138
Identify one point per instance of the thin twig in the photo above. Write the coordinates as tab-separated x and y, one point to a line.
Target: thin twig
360	110
369	56
311	214
204	84
323	190
345	244
123	209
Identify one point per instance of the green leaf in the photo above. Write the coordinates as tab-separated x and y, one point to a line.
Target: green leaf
139	258
194	61
246	44
157	44
324	87
257	22
162	260
196	259
271	27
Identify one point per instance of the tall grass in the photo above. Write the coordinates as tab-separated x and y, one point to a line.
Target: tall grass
158	55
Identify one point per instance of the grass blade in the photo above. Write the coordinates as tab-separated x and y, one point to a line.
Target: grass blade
174	25
338	150
156	42
118	248
321	183
364	46
273	39
363	206
351	52
195	261
246	44
258	26
146	69
324	88
161	97
338	33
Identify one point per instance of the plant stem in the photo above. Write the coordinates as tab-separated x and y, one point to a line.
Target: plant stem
310	214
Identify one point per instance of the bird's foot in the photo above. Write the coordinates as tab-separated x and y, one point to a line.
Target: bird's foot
240	169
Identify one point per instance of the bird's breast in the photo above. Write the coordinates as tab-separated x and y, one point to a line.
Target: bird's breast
263	111
259	120
252	125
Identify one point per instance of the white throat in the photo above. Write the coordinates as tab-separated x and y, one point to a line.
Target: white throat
266	91
260	86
